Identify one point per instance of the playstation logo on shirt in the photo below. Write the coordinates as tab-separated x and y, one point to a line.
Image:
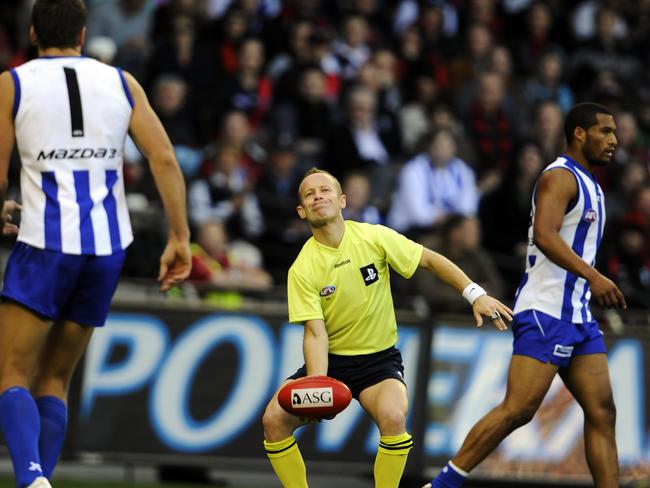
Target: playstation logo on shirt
369	273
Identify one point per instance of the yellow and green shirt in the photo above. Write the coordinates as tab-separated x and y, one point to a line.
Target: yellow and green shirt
349	286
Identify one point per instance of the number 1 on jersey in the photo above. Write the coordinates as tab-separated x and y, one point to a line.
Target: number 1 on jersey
76	115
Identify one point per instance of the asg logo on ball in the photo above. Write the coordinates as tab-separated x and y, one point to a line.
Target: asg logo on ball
312	397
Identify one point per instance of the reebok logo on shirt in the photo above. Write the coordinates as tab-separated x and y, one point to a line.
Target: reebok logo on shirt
369	273
342	263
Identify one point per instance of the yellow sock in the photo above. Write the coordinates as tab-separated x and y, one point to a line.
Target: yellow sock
287	462
391	459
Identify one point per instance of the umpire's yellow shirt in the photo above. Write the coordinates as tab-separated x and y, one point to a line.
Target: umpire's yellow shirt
349	287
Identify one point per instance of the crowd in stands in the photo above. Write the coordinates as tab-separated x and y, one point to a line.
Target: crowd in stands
436	116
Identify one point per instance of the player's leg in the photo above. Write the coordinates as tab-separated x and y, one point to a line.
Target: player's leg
92	285
22	337
528	381
387	403
281	446
63	349
587	378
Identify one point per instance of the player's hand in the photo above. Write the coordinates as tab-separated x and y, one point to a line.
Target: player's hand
10	206
312	420
606	292
493	309
175	263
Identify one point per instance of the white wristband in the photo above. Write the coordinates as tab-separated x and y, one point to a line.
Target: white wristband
472	292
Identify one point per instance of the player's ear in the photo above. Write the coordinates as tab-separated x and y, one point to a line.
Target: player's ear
301	211
82	36
33	39
343	202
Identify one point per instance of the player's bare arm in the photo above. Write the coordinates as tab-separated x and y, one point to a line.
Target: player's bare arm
555	190
315	346
150	136
6	133
451	274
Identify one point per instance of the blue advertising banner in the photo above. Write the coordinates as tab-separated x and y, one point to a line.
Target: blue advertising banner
192	385
187	383
467	378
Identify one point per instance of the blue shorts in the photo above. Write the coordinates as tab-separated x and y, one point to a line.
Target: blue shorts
61	286
551	340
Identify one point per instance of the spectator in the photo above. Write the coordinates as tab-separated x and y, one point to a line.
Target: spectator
220	263
501	63
237	132
631	146
442	117
225	194
352	47
460	241
276	191
182	53
414	61
548	130
639	211
356	188
547	85
630	151
285	67
493	129
415	117
537	39
431	186
248	89
128	23
510	203
363	144
473	59
169	102
626	184
608	50
629	268
309	117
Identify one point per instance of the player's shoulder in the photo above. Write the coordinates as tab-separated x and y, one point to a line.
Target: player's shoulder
304	256
7	87
361	232
362	228
562	167
558	178
6	77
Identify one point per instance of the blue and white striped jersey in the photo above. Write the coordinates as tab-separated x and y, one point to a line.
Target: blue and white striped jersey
546	286
72	116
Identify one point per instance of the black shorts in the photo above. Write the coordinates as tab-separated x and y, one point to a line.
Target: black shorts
360	372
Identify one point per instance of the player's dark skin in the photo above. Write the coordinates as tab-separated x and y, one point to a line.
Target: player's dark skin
587	376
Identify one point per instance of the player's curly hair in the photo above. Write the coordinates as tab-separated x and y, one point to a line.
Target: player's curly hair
582	115
57	23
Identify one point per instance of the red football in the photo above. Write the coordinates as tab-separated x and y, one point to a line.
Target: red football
314	397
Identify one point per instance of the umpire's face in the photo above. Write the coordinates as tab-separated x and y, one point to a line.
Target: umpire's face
321	199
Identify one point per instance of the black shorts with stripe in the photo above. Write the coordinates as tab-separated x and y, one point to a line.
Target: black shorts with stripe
363	370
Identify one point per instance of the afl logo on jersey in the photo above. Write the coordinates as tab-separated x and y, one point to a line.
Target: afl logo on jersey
327	291
590	216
